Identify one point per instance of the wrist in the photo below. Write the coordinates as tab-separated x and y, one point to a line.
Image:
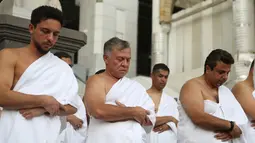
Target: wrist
68	118
232	125
168	127
171	119
131	113
41	100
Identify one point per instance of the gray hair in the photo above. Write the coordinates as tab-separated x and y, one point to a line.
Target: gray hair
115	43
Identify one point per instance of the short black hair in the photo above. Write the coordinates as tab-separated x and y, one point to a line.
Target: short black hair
46	12
160	66
252	65
62	55
218	55
100	71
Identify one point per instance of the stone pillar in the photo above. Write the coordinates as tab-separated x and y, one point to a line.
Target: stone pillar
161	19
243	15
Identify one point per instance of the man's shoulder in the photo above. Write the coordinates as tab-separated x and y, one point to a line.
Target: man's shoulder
9	53
95	79
239	85
242	87
191	83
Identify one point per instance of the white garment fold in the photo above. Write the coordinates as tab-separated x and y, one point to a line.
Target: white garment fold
250	131
233	111
167	107
48	75
69	135
228	108
130	93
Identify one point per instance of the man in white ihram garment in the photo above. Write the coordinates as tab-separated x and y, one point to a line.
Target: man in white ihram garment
167	115
244	92
121	110
209	112
34	82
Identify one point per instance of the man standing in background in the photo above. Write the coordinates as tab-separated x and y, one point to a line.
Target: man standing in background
167	114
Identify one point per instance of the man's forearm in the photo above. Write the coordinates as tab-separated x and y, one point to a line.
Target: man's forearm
164	119
15	100
210	122
68	110
112	113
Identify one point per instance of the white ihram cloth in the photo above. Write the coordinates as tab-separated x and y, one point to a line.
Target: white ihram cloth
48	75
130	93
69	135
167	107
228	108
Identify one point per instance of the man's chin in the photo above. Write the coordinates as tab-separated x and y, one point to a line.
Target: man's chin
43	51
220	84
162	86
121	75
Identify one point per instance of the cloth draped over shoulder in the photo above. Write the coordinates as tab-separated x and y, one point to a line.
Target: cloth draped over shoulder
48	75
131	94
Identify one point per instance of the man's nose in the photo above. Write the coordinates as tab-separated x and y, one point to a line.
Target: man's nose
125	63
50	37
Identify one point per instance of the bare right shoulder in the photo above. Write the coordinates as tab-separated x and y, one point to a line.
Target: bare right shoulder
191	99
94	95
95	79
8	60
241	88
190	88
9	55
239	85
95	84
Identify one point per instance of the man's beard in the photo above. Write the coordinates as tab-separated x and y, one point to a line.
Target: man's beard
39	48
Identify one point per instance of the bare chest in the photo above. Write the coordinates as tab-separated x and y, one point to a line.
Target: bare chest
21	66
156	98
108	84
156	101
210	95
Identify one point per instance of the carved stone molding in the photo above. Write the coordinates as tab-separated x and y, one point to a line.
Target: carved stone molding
14	33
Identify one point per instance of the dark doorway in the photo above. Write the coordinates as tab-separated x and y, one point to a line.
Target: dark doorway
71	14
144	37
177	9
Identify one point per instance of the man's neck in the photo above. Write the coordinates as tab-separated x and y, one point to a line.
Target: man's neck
107	73
208	83
33	50
155	90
